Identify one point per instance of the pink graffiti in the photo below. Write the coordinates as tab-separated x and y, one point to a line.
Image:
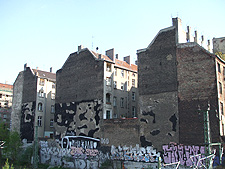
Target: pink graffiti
81	151
174	153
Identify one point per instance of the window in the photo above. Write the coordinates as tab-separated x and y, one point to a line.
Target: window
51	122
108	98
107	114
53	95
114	101
53	85
40	107
133	82
52	108
39	122
122	102
133	74
122	86
115	72
220	88
122	73
0	95
115	84
218	66
222	129
134	111
41	93
42	82
221	107
108	81
108	67
114	116
133	96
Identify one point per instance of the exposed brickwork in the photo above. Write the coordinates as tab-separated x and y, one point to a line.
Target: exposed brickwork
157	66
197	88
80	78
121	131
29	86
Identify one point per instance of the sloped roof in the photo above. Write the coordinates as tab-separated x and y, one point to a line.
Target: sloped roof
44	74
118	63
6	86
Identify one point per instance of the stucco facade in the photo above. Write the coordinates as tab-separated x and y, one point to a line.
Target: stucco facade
33	103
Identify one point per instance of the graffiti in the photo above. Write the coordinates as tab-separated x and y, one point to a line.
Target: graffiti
81	151
27	121
144	142
173	119
174	153
77	118
139	154
150	113
79	141
104	141
155	132
72	151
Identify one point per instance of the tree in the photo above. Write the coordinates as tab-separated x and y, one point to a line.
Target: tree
13	145
4	135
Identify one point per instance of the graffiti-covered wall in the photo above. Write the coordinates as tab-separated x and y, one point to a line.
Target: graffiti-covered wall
27	121
78	118
177	152
86	152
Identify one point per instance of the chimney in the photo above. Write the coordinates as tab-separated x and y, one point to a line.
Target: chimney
202	41
110	54
117	56
127	59
196	37
51	69
25	66
209	49
188	36
80	47
99	56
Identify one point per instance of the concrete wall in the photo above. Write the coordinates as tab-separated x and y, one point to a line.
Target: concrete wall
219	45
17	102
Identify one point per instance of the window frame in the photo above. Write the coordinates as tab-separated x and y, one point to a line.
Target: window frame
39	121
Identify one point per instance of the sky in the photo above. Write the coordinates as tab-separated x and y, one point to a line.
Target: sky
43	33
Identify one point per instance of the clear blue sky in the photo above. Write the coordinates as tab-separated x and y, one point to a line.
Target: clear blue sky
42	33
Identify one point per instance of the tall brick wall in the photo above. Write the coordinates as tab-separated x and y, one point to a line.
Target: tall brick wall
29	86
197	88
79	95
157	65
81	78
120	132
157	82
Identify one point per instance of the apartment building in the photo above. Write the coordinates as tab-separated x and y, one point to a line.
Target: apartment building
120	86
91	89
6	94
34	103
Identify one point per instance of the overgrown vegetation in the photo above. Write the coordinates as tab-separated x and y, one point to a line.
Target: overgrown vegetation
107	164
11	151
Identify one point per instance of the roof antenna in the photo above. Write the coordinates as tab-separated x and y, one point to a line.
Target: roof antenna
92	41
